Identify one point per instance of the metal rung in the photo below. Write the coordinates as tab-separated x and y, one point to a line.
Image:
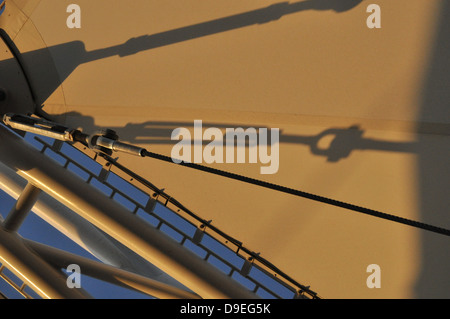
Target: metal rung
198	235
16	287
245	270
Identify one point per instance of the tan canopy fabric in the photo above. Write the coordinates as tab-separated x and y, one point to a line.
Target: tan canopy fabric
363	116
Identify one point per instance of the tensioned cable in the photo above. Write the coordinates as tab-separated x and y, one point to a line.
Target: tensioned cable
256	256
109	142
303	194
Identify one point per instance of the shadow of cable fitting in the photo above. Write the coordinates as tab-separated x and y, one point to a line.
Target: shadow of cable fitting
333	144
338	143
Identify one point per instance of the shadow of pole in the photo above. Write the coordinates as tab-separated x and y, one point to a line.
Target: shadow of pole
46	78
246	19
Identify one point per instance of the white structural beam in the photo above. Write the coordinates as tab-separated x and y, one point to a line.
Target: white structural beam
91	204
43	278
23	206
82	232
60	258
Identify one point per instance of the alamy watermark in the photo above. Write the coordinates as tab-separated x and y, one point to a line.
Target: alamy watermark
73	21
74	279
374	19
221	147
374	279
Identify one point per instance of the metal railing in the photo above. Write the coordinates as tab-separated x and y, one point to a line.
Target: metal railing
152	204
16	284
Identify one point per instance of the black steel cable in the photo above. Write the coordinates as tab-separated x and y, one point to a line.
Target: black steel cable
303	194
256	256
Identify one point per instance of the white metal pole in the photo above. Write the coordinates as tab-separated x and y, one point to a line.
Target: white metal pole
92	268
96	242
24	204
45	280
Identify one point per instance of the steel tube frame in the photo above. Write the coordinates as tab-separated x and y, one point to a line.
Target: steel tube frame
23	206
45	280
106	214
82	232
114	275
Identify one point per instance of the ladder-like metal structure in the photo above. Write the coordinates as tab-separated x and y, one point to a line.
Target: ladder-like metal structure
223	266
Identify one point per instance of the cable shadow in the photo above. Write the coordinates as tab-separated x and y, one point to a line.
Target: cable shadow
45	78
333	144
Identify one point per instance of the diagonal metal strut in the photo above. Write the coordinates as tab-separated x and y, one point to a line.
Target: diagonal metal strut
97	208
